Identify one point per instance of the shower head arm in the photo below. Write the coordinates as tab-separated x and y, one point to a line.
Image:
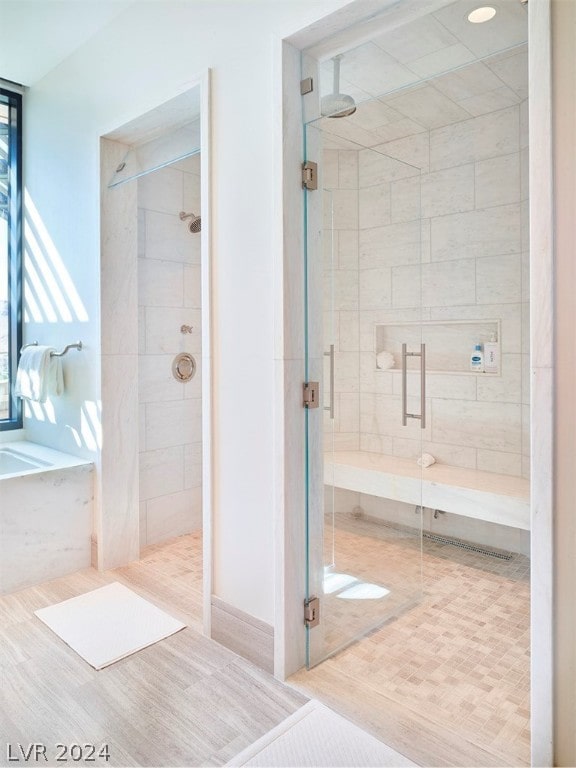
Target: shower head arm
336	80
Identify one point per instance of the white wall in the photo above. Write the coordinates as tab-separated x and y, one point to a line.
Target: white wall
145	56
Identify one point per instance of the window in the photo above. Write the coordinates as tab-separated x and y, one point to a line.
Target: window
10	254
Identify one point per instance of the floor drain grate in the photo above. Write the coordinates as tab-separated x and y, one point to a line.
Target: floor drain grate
464	545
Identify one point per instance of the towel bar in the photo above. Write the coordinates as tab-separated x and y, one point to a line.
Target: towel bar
77	345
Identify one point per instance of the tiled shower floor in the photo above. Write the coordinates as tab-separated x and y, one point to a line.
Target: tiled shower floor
459	657
455	665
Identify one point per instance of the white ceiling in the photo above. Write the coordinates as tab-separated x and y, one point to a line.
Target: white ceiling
435	70
36	35
171	115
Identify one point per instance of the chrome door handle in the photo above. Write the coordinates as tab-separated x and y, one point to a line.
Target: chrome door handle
404	387
422	415
330	407
422	386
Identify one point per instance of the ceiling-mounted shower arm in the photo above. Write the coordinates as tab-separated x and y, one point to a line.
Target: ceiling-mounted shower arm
337	104
336	74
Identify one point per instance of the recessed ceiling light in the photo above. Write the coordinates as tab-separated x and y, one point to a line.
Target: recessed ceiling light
480	15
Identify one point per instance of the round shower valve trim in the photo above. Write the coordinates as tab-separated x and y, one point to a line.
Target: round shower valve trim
183	367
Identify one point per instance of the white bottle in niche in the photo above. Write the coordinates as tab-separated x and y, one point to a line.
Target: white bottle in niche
492	355
477	359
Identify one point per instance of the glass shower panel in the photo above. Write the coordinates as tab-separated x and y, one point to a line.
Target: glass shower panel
364	336
163	150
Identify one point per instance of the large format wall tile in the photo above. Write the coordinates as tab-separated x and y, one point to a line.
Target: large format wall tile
405	200
496	426
498	279
329	169
491	101
375	288
419	38
498	181
376	167
374	206
346	372
341	287
448	284
396	244
168	238
342	210
488	232
476	139
452	250
348	170
413	150
348	331
193	465
174	423
174	514
448	58
439	385
163	330
160	283
448	191
347	249
382	415
407	287
499	462
161	191
426	105
509	314
455	455
161	472
156	383
169	298
506	388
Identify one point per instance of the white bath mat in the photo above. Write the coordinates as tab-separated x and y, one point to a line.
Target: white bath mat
107	624
316	736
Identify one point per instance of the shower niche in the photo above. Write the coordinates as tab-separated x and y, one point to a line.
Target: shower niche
449	344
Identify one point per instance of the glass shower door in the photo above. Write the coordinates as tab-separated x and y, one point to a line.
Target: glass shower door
364	337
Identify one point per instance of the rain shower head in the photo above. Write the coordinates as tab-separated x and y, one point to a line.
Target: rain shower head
337	104
195	224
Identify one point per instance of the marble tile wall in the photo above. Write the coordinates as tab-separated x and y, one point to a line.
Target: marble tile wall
170	444
446	241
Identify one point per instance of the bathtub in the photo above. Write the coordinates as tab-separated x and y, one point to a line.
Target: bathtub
46	508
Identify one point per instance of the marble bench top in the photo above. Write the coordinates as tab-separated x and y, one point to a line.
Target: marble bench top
488	496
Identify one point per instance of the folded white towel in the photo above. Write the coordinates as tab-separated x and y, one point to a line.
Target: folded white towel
384	360
426	460
39	374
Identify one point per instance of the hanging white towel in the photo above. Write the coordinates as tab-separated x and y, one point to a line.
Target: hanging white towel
39	374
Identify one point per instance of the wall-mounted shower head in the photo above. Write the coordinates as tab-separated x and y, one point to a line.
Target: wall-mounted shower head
337	104
195	224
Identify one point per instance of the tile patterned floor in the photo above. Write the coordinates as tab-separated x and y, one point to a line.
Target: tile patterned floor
460	656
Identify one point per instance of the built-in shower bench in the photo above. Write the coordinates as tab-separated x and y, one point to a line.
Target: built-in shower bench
486	496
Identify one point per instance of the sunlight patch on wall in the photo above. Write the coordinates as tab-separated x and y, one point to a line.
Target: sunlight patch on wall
52	294
40	411
91	425
35	286
88	434
35	260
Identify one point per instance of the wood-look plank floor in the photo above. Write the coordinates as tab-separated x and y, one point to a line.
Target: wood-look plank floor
185	701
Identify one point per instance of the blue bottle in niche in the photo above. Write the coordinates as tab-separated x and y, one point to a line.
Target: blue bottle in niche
477	359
